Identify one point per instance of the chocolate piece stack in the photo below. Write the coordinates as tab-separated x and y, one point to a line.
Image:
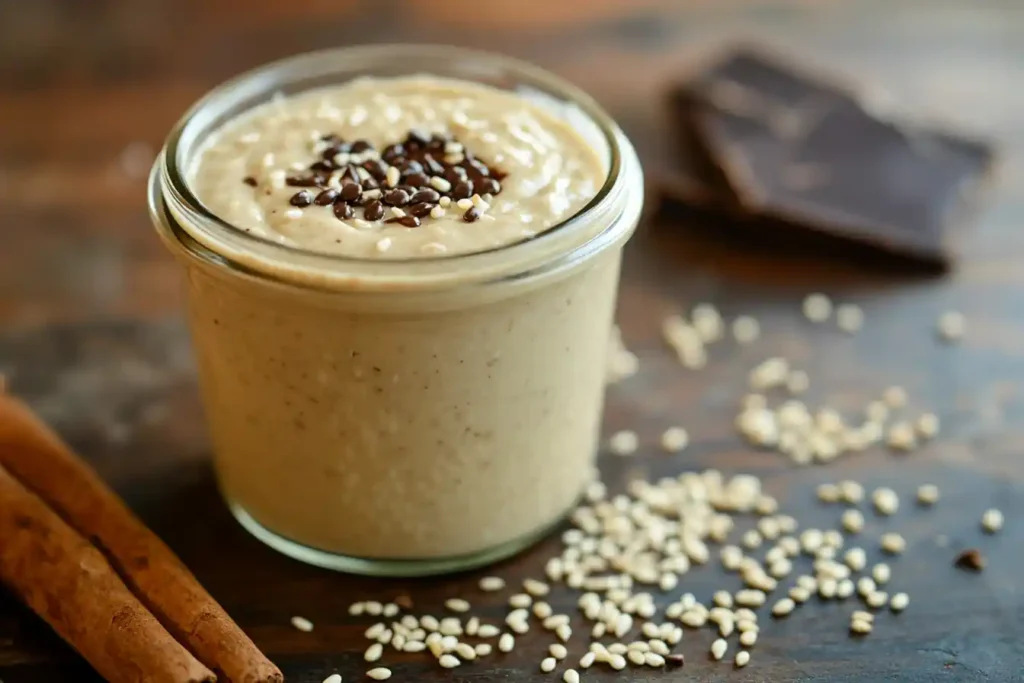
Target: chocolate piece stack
777	151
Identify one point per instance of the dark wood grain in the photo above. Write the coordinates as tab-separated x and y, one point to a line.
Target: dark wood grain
91	332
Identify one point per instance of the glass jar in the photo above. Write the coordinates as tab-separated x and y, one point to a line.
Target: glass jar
400	417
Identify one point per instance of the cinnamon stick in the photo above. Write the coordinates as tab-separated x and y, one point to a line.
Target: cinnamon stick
34	454
67	582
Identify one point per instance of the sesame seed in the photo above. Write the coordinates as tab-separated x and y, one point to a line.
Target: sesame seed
849	317
927	425
799	594
856	559
798	382
844	589
520	601
748	638
853	520
548	664
381	673
951	326
722	598
448	661
674	439
877	599
302	624
356	608
390	609
536	588
895	397
718	648
851	491
893	543
783	607
437	212
333	678
571	676
624	442
828	493
636	657
587	660
863	616
927	494
899	602
817	308
457	605
506	642
429	623
564	632
617	662
885	500
992	520
542	610
414	646
881	573
745	329
860	626
742	658
466	651
866	586
558	651
373	652
491	584
901	436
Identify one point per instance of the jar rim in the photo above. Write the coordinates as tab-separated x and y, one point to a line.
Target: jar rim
172	198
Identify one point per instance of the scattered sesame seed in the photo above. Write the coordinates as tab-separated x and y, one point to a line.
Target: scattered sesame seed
587	660
548	664
635	656
333	678
860	626
895	397
877	599
536	588
448	661
520	601
571	676
853	520
506	642
828	493
885	500
429	623
617	662
373	652
899	602
901	436
491	584
624	442
381	673
302	624
746	329
742	658
951	326
893	543
783	607
748	638
881	573
674	439
564	632
719	648
856	559
927	494
356	608
817	308
992	520
849	317
927	425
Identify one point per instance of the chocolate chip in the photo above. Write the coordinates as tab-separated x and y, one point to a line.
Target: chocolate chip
374	211
360	146
350	174
322	166
392	152
432	166
333	151
326	198
396	198
301	181
462	190
351	191
478	169
331	138
303	198
409	167
370	184
250	181
377	168
420	210
343	210
417	180
416	138
407	221
426	195
472	215
455	175
675	660
490	186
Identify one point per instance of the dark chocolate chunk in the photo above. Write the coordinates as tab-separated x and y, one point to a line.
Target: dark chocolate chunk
426	195
302	181
407	221
374	211
490	186
250	181
350	191
432	166
417	179
410	167
326	198
462	190
420	210
343	210
396	198
377	168
360	146
416	139
472	215
391	153
300	199
324	166
370	184
350	174
970	559
791	149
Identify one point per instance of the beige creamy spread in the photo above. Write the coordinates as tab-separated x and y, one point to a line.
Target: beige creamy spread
548	172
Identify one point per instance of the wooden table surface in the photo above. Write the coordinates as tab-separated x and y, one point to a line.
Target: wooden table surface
91	330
